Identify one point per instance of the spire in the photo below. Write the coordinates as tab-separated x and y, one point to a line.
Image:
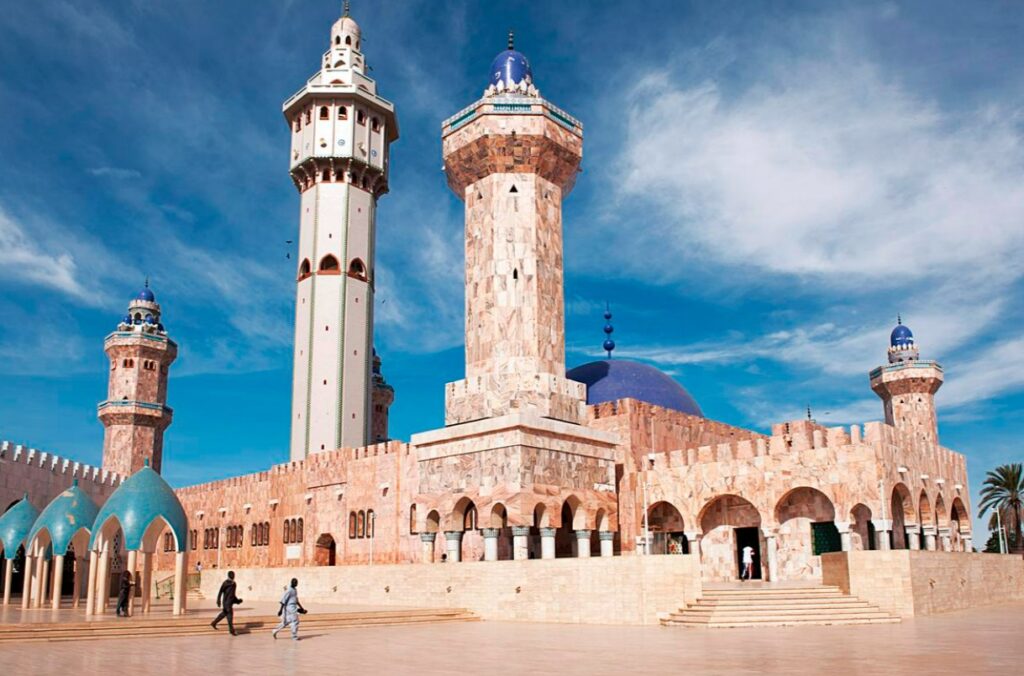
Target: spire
511	40
899	319
809	417
609	344
345	8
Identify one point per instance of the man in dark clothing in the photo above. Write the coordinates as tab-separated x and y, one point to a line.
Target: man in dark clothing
226	601
124	593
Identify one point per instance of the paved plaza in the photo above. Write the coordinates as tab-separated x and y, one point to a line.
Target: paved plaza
980	641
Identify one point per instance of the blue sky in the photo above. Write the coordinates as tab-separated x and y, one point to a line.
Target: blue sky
765	186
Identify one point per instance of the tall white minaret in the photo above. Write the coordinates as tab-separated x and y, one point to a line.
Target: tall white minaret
341	133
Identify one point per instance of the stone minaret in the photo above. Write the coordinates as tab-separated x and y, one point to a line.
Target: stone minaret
907	387
135	413
383	397
341	131
512	157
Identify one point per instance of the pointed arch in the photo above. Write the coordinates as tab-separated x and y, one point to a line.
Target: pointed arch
305	269
328	265
357	269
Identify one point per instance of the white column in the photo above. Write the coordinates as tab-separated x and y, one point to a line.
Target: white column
91	600
27	580
8	578
76	588
147	581
965	538
58	580
520	542
772	558
929	538
607	539
453	541
39	593
583	544
845	538
427	547
547	543
913	536
882	528
491	544
693	540
947	544
103	581
180	561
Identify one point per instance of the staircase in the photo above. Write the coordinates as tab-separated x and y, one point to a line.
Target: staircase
193	625
768	606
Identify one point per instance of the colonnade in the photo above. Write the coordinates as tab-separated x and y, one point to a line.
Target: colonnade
520	543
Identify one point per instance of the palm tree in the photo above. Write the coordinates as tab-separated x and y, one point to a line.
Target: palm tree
1003	490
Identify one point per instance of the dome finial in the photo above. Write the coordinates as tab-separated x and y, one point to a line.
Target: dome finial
511	40
609	344
809	417
899	318
345	8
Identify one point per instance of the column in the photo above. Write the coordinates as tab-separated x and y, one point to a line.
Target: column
103	581
147	580
944	538
76	587
178	605
772	556
693	539
491	544
58	580
427	547
44	579
607	539
27	581
929	538
845	537
965	538
520	542
453	543
133	563
882	528
547	543
91	606
583	544
8	573
913	536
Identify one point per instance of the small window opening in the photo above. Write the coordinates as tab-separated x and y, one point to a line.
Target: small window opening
329	264
515	273
324	113
342	113
513	189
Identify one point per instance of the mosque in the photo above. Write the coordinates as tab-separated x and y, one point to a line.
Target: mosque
612	458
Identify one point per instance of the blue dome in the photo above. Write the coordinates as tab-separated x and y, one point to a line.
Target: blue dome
901	336
510	67
68	513
146	294
15	525
614	379
139	501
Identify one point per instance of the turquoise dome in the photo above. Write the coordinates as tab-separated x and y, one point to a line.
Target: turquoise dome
140	500
15	525
66	514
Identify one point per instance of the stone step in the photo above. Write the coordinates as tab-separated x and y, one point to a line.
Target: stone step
782	623
762	591
768	608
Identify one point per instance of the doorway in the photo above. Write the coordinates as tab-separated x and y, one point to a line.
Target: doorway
326	551
748	537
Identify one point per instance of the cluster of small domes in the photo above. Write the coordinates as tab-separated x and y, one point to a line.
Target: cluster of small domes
143	314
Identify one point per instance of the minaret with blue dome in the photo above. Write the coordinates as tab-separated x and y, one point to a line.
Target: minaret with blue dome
135	413
512	157
907	386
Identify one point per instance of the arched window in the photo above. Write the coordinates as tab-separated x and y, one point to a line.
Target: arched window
337	39
304	269
342	113
348	40
375	124
329	264
351	525
469	522
370	521
298	123
360	117
325	114
309	117
361	524
326	175
357	269
412	520
287	531
252	536
299	538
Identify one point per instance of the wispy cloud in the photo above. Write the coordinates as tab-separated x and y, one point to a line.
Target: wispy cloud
115	172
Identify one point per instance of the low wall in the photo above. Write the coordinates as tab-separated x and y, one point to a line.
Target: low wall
909	583
600	590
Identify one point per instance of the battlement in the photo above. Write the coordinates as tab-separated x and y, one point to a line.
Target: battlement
54	464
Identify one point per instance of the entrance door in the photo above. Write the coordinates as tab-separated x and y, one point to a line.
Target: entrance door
748	537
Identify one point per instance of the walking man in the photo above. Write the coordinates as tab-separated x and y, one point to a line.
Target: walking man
226	601
290	611
748	563
124	592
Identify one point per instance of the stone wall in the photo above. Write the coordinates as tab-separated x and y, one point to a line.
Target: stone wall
44	475
911	583
616	590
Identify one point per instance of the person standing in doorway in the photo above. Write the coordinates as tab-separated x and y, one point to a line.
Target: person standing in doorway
226	601
124	593
748	563
290	611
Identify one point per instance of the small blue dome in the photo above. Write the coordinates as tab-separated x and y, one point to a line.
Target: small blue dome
15	525
140	500
901	336
147	295
149	319
510	67
614	379
66	514
127	319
